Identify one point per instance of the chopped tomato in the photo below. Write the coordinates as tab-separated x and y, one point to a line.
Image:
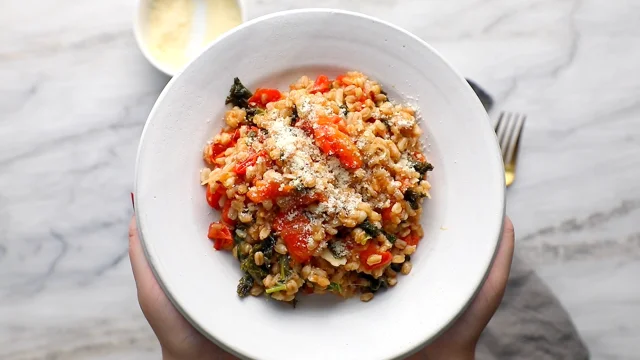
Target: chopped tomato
305	126
334	142
322	84
295	230
341	81
412	239
333	120
373	249
299	201
221	236
264	96
213	198
241	167
386	212
308	199
225	212
218	149
264	190
419	156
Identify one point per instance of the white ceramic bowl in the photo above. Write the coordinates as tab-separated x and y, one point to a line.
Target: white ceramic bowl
462	221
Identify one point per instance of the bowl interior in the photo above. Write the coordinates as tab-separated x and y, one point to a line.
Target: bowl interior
462	221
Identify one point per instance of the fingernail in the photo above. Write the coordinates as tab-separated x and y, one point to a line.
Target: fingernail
132	203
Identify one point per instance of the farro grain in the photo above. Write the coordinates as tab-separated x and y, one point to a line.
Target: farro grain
400	244
374	259
281	249
410	249
406	268
256	290
258	258
366	297
245	248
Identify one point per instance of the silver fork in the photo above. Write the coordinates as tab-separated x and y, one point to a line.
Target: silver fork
509	130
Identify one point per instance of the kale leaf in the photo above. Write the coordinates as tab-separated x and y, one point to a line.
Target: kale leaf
238	95
336	288
375	284
249	266
422	167
413	198
267	247
244	285
392	238
369	228
252	112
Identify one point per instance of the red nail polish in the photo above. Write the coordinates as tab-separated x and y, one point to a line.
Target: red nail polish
132	203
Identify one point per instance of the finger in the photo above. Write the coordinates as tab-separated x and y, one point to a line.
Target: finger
139	266
486	303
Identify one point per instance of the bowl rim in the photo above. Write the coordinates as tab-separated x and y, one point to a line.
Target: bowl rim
137	34
152	262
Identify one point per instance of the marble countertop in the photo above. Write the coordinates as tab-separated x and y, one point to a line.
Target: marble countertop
75	92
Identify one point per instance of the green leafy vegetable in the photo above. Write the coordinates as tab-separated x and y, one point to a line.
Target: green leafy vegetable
369	228
238	95
276	288
396	267
267	246
285	268
338	250
374	231
335	288
249	266
413	198
252	112
245	284
375	284
422	167
392	238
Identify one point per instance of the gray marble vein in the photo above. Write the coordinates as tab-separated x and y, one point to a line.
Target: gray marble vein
75	92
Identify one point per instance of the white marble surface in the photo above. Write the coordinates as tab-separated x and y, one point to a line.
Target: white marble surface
75	92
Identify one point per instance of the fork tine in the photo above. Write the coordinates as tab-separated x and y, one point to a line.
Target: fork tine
512	144
502	131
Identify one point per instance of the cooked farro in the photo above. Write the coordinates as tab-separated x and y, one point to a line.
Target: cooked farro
320	187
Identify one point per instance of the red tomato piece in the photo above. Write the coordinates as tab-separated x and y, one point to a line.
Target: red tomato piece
225	213
305	126
334	142
213	199
333	120
322	84
295	231
217	149
341	80
412	239
221	236
386	212
373	249
264	190
264	96
241	167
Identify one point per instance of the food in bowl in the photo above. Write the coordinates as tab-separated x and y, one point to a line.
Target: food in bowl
320	188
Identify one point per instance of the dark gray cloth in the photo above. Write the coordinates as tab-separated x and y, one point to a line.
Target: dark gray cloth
530	323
